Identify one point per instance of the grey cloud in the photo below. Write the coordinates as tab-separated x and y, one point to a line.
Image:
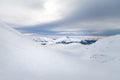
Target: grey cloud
35	4
22	3
93	11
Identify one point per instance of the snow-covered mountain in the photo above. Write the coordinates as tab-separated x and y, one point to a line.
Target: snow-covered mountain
44	40
67	40
63	40
23	59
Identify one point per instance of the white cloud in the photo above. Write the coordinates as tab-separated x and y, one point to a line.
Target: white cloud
32	12
29	12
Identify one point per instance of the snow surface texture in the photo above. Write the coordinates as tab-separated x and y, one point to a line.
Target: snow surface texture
22	59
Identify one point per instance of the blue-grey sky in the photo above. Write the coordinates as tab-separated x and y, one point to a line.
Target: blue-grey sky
62	17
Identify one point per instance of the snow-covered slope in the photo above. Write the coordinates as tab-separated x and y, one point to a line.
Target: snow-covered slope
107	49
22	59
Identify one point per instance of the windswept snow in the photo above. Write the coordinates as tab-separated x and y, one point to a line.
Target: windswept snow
23	59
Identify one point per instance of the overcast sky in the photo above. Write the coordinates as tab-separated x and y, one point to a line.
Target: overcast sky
78	17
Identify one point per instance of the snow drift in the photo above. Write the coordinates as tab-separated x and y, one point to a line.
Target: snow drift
22	59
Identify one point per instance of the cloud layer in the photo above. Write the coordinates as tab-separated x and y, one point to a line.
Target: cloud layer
62	15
